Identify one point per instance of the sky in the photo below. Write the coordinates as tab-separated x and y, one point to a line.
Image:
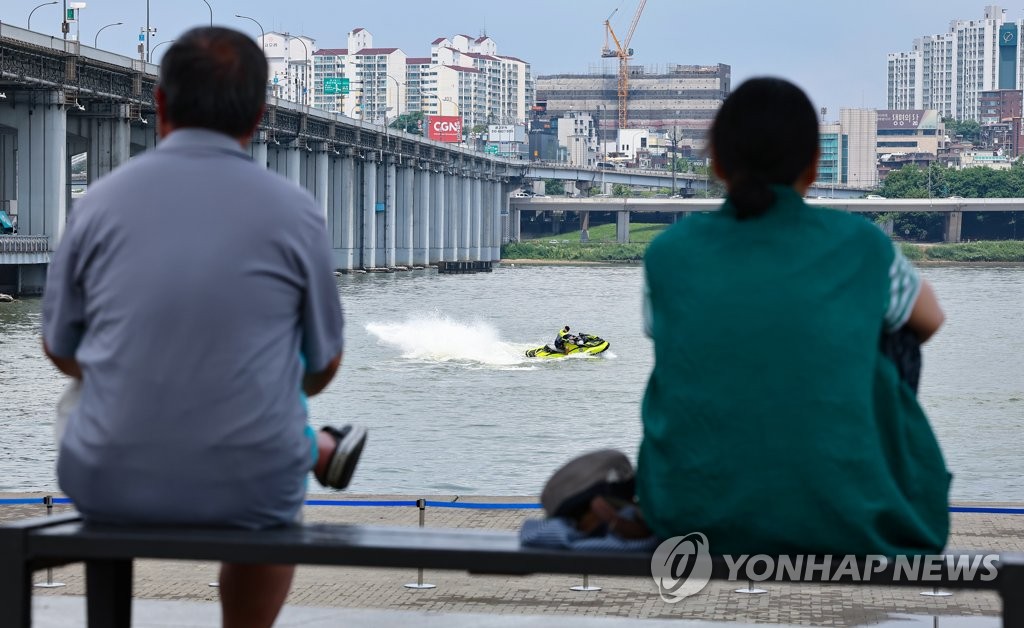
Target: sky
835	50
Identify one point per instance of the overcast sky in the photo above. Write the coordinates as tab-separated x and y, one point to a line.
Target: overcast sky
835	50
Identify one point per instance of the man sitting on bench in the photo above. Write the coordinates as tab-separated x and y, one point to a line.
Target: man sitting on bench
194	346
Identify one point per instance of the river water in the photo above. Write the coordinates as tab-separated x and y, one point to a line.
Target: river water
434	365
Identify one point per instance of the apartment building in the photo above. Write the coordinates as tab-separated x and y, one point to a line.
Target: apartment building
949	72
463	76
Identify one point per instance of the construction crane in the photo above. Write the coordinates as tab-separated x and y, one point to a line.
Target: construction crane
624	54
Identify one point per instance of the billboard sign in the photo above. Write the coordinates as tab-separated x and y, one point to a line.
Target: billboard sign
444	128
910	119
335	85
506	133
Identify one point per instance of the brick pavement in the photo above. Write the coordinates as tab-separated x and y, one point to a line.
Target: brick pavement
546	594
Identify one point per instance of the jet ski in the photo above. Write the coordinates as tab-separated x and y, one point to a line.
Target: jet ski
591	345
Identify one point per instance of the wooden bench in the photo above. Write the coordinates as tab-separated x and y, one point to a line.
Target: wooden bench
108	553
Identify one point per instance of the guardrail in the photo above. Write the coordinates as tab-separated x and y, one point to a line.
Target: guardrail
24	244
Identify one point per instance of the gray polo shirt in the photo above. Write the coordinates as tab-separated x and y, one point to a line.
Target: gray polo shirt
187	285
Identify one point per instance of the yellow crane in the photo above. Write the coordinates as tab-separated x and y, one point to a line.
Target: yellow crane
624	54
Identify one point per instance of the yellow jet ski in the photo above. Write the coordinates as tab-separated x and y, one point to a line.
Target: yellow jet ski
585	344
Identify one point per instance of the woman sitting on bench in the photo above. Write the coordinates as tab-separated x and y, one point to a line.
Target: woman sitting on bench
772	421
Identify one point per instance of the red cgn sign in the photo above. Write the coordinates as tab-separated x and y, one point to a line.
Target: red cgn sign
444	128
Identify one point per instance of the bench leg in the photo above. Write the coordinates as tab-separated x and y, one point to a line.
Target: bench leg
1011	588
15	580
108	586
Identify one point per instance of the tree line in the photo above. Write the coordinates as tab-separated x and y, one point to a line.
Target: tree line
938	181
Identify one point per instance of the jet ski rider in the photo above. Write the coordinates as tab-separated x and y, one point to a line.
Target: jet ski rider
564	334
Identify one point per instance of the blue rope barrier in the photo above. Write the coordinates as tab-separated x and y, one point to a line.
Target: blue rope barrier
988	509
992	510
483	506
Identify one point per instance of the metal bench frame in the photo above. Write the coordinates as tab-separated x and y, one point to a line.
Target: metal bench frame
109	551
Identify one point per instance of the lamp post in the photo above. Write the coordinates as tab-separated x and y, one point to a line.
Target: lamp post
45	4
211	11
398	96
305	65
263	38
263	34
157	47
96	40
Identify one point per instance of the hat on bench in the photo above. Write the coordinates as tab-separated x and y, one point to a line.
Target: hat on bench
605	472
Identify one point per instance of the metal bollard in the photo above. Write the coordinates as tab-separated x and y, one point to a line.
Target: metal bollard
49	584
750	589
419	584
585	586
936	593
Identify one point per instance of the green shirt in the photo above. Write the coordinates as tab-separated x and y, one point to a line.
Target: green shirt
772	423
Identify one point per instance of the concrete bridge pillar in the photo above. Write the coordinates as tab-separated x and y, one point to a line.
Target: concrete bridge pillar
143	135
954	223
8	170
421	221
622	226
345	233
438	212
515	222
292	164
258	150
452	216
465	216
476	219
321	178
496	216
486	202
42	174
110	141
406	213
390	212
368	243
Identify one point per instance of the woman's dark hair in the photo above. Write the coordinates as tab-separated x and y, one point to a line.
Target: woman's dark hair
214	78
765	133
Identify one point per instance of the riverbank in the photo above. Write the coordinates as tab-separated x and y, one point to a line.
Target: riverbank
566	247
458	592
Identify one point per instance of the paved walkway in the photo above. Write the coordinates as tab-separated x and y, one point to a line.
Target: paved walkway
521	597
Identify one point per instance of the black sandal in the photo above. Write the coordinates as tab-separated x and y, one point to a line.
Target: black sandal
349	442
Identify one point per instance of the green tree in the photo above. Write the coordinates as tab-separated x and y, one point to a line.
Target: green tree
409	122
968	130
621	189
554	187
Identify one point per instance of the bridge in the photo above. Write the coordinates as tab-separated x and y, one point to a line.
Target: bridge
391	200
623	207
687	183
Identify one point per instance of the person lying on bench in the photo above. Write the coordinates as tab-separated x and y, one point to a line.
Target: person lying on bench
195	329
772	422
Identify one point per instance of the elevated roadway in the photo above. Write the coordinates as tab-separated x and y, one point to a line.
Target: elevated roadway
953	208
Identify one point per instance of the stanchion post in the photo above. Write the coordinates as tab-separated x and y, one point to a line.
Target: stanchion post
750	589
585	586
936	593
419	584
49	584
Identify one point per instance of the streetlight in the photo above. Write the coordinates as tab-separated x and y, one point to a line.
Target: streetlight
96	40
398	96
156	47
77	7
305	64
263	34
45	4
211	11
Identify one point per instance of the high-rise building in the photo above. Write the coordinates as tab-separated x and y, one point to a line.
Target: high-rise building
289	58
949	71
683	98
463	76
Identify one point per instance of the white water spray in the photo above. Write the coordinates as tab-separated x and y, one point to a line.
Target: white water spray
440	339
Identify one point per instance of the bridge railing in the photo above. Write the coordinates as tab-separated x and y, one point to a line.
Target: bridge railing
24	244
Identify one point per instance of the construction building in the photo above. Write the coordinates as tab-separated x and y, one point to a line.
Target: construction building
680	97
